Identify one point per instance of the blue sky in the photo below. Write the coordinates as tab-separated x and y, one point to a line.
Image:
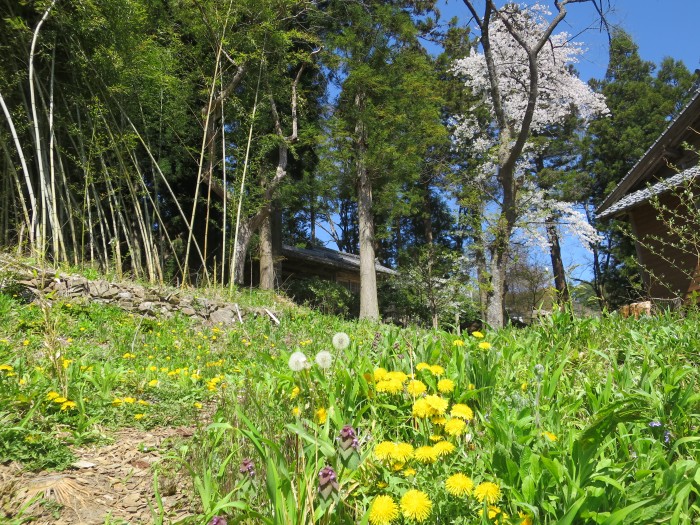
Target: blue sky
661	28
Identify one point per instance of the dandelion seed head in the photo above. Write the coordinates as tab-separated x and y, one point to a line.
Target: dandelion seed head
324	359
341	341
298	362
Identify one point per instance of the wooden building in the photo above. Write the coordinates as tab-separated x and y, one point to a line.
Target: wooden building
332	265
654	198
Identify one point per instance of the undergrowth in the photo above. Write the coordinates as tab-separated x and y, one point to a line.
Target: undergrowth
571	421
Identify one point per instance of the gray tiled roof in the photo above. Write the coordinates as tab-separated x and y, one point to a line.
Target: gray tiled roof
671	137
333	258
638	197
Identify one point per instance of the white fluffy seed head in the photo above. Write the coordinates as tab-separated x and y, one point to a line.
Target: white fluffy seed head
298	362
324	359
341	341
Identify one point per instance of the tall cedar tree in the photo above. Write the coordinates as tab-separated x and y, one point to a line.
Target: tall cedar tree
641	105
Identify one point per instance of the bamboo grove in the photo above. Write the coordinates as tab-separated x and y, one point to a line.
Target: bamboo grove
155	139
173	140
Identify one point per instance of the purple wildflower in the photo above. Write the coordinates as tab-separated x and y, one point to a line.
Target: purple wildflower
348	438
667	436
327	482
247	467
654	424
218	520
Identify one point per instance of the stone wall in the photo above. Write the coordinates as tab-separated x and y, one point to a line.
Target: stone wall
147	301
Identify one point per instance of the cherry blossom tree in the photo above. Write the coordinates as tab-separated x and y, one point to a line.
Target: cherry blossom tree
524	76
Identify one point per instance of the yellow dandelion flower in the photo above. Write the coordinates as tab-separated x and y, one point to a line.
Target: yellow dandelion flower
446	386
117	401
142	402
458	342
139	416
471	386
426	454
443	448
153	382
409	472
396	376
437	370
437	404
392	386
383	511
421	408
455	427
525	519
379	374
295	392
383	450
493	512
25	342
523	387
382	484
402	452
398	452
416	505
129	400
459	485
438	420
52	395
6	368
435	438
296	411
549	436
66	362
152	368
68	405
422	366
197	405
321	415
396	467
416	388
59	399
484	345
487	491
478	335
462	411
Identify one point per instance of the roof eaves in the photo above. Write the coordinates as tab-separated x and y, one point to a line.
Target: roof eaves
654	153
333	258
640	196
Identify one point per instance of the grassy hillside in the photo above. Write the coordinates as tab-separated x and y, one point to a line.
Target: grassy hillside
584	421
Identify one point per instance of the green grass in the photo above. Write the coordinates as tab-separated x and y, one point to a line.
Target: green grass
575	421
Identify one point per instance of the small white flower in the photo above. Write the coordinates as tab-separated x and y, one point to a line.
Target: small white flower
298	362
324	359
341	341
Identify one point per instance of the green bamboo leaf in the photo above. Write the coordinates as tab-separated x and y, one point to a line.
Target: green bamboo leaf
571	514
326	448
619	515
609	481
681	441
554	379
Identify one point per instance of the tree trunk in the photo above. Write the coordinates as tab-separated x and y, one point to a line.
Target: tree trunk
495	296
369	307
245	232
560	283
267	262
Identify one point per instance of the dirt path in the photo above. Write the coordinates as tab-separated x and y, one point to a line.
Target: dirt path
107	484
